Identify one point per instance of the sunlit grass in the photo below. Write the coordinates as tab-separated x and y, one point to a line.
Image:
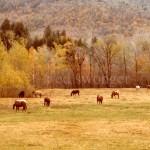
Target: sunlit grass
78	122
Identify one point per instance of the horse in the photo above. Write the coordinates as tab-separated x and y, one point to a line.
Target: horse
21	94
114	93
148	87
47	101
74	92
36	93
137	87
99	99
20	103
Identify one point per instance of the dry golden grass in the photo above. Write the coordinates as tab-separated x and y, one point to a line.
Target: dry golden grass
73	123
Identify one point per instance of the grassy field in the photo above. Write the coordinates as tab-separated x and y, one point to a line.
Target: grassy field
78	123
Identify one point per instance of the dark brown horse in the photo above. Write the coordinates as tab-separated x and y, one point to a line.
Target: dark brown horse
47	101
36	93
20	103
114	93
74	92
21	94
99	99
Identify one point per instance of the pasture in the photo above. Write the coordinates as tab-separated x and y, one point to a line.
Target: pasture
78	123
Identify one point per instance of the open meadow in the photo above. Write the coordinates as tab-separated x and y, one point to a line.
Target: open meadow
78	123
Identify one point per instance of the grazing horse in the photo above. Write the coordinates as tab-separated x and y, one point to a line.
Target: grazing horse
99	99
114	93
47	101
20	103
137	87
74	92
148	87
36	93
21	94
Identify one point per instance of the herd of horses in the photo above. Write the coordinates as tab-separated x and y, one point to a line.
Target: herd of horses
23	103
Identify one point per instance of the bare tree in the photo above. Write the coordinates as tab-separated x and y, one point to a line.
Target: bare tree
105	51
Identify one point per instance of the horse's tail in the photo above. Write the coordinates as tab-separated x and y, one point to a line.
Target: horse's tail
71	93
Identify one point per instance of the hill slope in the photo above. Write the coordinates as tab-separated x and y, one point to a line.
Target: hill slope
81	17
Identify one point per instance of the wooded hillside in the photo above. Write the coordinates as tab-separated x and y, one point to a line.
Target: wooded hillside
80	18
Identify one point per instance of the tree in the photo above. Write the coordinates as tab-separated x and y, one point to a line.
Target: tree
71	62
7	38
37	42
19	57
74	58
5	25
105	50
63	33
47	32
20	30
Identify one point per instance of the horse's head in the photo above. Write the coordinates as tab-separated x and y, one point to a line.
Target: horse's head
112	94
71	93
14	106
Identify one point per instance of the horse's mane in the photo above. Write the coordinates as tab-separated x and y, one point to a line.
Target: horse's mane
21	100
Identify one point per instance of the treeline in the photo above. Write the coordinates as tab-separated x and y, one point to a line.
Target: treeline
55	60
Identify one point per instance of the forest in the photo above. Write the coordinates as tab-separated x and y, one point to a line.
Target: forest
80	18
55	60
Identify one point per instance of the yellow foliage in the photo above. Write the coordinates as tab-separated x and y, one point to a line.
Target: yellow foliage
19	57
9	77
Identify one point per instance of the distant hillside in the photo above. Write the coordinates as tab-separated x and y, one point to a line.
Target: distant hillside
83	18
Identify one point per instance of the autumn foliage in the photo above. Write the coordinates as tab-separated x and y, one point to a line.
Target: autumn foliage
56	60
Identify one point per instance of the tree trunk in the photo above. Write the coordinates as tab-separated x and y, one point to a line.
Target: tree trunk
80	75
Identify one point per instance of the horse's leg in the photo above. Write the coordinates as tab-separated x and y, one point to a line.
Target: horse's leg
24	108
17	108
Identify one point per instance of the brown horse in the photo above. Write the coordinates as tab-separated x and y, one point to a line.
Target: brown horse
74	92
20	103
47	101
36	93
99	99
114	93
